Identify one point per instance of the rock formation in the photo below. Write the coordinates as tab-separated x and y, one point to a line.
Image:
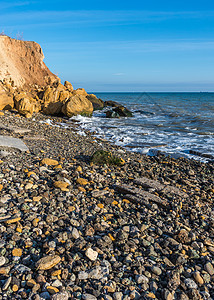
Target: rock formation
27	84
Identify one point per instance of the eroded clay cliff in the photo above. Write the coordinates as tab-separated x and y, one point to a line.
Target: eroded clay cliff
21	62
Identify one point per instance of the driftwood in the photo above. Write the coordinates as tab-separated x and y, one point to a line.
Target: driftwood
159	187
140	196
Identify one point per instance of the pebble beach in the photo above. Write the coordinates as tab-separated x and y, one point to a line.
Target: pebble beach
73	229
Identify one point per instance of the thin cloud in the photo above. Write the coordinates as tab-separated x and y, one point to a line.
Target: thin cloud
101	17
6	5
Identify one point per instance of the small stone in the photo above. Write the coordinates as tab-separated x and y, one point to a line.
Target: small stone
79	169
61	185
2	260
15	288
31	283
83	275
156	270
190	284
7	283
17	252
198	278
11	221
117	296
48	262
52	290
82	181
75	233
209	268
60	296
91	254
49	162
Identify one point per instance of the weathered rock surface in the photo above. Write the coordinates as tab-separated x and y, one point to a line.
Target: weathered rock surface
10	142
76	105
21	63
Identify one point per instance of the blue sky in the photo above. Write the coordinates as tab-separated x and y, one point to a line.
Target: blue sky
120	45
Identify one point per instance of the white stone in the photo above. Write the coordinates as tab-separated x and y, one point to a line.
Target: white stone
88	297
91	254
75	233
2	260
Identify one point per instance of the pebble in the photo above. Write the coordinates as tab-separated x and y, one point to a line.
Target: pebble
88	297
209	268
190	284
156	270
91	254
2	260
198	278
48	262
88	239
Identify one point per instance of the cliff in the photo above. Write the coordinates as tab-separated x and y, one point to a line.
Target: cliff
21	63
27	84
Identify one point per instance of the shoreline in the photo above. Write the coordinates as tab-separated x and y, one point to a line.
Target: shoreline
78	230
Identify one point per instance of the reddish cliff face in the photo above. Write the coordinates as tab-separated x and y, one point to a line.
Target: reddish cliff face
22	63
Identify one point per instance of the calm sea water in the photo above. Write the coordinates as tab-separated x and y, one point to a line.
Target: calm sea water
174	123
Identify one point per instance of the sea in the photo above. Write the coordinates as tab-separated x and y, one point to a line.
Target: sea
175	124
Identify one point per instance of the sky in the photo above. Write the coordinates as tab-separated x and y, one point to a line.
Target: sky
120	46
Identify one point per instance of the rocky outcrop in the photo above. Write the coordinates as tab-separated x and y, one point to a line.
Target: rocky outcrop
119	111
21	63
27	85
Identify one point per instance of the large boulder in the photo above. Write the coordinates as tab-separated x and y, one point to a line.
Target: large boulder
6	99
55	94
119	111
80	92
26	107
77	105
96	102
53	108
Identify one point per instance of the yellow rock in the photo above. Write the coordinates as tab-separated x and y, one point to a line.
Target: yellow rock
100	205
31	173
52	290
81	189
126	201
71	208
114	202
56	273
35	222
36	199
1	187
48	262
77	105
31	283
17	252
18	229
82	181
58	167
61	185
111	237
11	221
80	92
79	169
1	113
151	295
198	278
15	288
4	270
49	162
